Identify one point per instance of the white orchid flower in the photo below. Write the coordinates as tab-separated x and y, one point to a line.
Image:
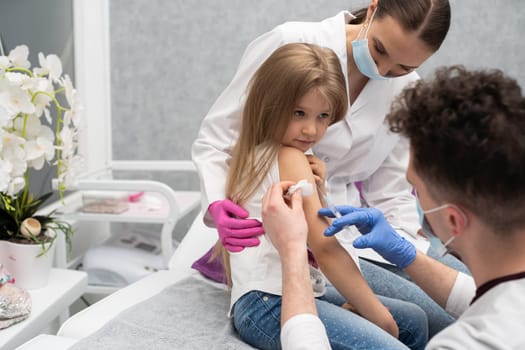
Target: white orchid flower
41	148
70	169
42	98
19	166
32	126
25	142
6	110
4	62
18	56
5	166
49	65
69	91
46	132
28	141
5	172
12	146
68	118
16	185
73	100
23	81
67	145
14	154
73	116
38	151
39	90
42	102
5	113
17	79
16	100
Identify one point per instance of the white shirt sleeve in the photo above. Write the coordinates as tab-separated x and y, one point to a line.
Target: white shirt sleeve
304	332
461	295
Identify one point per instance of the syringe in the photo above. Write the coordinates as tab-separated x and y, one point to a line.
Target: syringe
336	213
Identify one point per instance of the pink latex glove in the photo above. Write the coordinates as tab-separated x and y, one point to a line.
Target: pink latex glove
235	231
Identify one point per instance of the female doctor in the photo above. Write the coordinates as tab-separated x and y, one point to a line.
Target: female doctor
379	49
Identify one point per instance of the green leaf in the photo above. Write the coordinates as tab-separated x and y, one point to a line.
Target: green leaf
7	223
32	206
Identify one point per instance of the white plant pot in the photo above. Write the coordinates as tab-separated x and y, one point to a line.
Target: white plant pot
29	270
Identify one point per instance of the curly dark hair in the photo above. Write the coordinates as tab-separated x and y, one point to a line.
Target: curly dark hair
467	136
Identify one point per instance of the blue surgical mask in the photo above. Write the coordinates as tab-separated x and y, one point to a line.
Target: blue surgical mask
362	57
439	247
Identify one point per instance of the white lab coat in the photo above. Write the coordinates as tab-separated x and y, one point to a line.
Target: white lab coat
359	148
493	322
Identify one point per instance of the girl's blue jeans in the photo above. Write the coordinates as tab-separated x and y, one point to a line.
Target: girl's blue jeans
257	319
398	285
387	281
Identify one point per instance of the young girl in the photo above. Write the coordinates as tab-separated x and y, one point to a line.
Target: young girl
292	99
379	47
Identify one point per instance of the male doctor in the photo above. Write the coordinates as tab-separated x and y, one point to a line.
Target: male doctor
467	165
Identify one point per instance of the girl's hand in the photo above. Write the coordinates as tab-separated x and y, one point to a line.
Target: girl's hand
318	169
381	317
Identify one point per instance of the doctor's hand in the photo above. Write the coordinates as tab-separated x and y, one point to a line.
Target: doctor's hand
285	224
377	233
235	231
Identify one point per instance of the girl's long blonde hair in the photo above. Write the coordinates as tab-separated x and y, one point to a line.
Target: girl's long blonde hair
288	74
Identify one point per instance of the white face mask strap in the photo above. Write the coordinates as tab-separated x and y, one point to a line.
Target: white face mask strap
445	246
461	212
366	27
449	241
436	209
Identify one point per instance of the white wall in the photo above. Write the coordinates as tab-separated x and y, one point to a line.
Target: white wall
171	59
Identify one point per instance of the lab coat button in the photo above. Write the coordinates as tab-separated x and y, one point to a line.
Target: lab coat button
326	159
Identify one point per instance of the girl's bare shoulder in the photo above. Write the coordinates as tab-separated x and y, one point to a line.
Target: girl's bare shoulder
293	164
292	153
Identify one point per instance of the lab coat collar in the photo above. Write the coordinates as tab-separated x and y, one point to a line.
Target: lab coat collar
333	33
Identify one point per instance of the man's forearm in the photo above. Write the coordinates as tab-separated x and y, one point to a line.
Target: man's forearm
435	278
298	296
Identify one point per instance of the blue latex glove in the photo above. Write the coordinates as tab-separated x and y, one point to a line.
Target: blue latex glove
377	233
